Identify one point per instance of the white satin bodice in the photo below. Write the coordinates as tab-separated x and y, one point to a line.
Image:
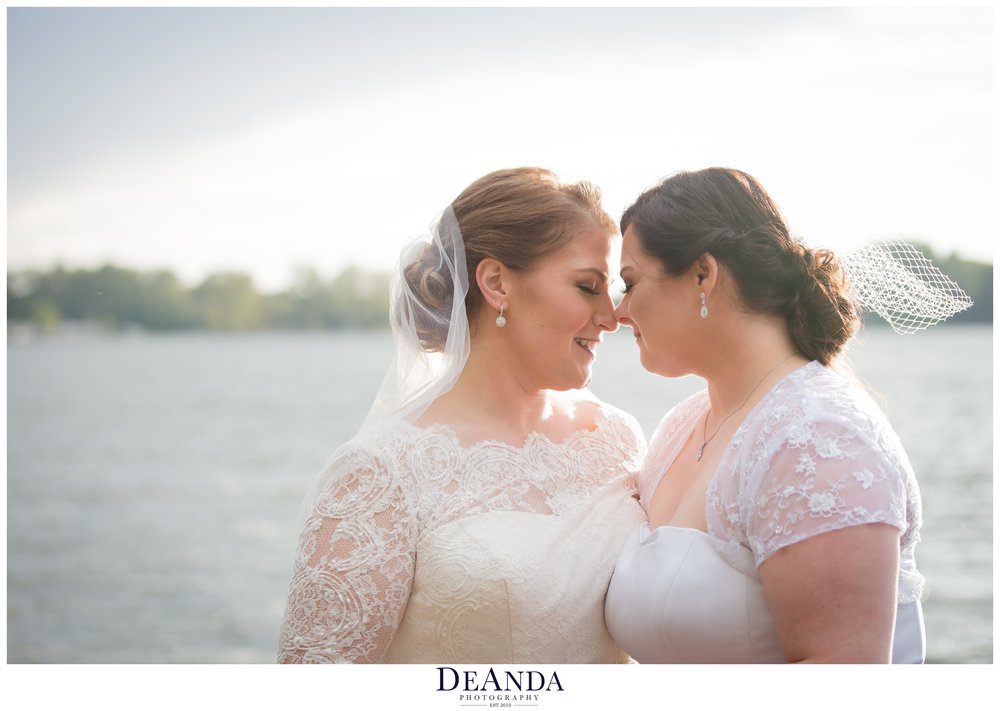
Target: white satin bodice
675	599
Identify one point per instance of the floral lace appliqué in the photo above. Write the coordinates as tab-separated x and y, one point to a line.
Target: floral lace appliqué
816	456
385	491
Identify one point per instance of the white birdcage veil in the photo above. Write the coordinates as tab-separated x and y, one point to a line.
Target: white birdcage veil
901	285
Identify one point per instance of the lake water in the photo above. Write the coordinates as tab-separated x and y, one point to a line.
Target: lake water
153	481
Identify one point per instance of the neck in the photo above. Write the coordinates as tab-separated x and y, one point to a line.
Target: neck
738	370
489	396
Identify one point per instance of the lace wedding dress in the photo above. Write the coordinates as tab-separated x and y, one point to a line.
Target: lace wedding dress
814	455
419	549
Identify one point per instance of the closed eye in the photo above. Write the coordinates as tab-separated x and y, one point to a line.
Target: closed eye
588	289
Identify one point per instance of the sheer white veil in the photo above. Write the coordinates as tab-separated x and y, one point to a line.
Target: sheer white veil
429	325
431	345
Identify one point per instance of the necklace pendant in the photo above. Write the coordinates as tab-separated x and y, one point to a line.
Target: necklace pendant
697	455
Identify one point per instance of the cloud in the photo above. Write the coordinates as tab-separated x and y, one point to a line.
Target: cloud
851	119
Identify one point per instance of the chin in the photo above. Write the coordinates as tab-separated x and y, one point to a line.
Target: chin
667	372
657	368
573	383
644	359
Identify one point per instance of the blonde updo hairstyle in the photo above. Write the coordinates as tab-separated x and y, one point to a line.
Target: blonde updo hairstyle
517	216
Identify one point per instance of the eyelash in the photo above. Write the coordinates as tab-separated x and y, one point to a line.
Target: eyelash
628	288
587	289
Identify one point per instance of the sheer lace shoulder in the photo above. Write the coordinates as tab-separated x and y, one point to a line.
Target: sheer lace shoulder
681	416
667	439
815	455
624	433
384	493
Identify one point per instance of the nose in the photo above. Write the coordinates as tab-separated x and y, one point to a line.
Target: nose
621	312
605	316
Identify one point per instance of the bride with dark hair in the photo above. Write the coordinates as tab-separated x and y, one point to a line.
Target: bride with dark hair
783	514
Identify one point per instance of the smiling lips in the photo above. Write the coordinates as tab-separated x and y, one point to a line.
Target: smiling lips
587	344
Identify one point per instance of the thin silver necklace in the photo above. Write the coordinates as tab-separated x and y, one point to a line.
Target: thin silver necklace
704	428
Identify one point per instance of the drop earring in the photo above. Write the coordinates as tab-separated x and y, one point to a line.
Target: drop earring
501	321
704	306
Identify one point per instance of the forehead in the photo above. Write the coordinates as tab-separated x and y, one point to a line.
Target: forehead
585	248
635	259
632	253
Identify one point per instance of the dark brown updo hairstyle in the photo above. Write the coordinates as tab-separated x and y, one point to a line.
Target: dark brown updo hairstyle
728	214
517	216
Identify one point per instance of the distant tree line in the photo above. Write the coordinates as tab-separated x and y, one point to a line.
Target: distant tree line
975	278
119	298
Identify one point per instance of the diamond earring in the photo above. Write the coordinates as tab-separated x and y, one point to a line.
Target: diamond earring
704	307
501	321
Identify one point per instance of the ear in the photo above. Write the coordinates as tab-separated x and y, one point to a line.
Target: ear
706	273
491	276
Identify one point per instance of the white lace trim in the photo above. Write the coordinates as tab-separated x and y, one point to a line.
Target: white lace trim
387	489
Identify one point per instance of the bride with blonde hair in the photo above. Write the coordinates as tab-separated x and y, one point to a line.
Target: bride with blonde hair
477	515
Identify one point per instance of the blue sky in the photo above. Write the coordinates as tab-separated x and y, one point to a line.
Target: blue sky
265	139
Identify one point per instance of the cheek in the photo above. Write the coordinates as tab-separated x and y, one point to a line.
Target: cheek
548	327
567	314
638	308
582	311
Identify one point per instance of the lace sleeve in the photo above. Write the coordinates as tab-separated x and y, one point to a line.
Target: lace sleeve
353	565
822	474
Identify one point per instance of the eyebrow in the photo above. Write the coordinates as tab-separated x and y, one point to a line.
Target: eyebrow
596	272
